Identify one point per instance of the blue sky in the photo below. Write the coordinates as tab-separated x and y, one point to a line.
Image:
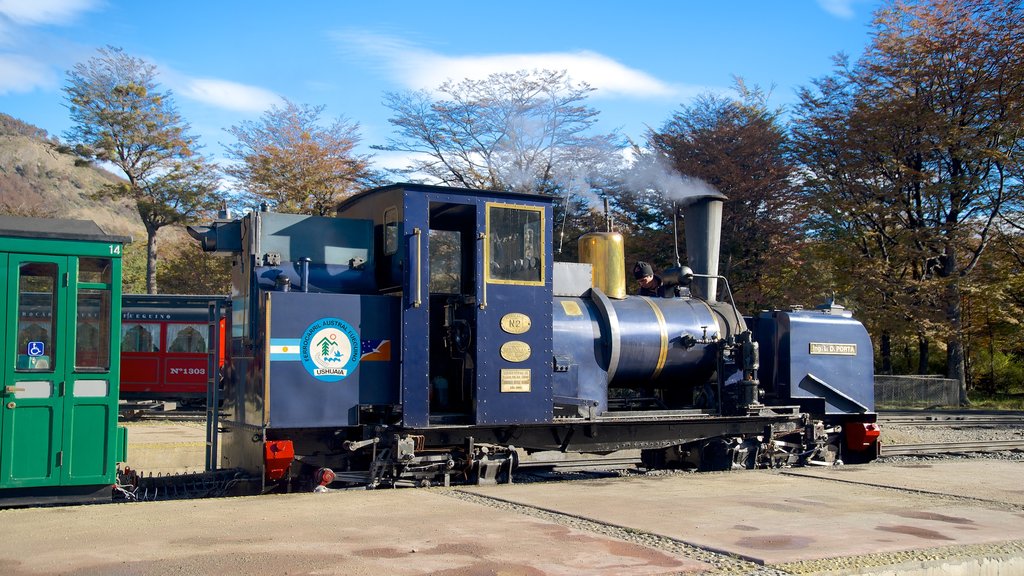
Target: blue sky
228	61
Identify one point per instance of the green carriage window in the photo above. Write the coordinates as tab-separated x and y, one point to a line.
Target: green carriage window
92	341
37	317
94	270
515	245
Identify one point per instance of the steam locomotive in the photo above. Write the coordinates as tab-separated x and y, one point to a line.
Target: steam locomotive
425	335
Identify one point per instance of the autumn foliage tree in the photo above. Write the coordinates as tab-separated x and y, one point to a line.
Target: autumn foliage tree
292	161
122	117
189	270
737	145
912	157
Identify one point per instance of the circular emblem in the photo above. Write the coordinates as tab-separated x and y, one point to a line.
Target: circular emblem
330	349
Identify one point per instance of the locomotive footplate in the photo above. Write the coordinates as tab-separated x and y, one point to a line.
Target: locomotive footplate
769	437
766	437
618	431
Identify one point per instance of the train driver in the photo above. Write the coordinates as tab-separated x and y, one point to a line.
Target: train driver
650	283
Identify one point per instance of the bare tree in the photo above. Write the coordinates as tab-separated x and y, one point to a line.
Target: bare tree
522	131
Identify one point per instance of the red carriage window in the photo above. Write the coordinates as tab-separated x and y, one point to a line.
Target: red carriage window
186	338
140	337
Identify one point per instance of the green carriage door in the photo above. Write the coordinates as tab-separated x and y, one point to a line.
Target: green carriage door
90	399
36	335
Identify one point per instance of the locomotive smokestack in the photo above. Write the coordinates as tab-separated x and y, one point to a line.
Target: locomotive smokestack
703	218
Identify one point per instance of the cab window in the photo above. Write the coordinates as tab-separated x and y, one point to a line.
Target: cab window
515	244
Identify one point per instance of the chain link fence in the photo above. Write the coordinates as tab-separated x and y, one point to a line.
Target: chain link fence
915	392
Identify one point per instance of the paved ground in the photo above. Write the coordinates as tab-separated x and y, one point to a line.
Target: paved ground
395	532
995	480
773	518
946	517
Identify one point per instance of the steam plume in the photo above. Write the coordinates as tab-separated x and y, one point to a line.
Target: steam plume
651	172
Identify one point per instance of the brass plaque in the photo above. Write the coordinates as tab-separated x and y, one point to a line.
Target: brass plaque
515	380
515	323
515	351
833	349
571	308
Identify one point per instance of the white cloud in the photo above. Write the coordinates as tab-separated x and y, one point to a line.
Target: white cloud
840	8
228	95
23	74
419	68
396	160
36	12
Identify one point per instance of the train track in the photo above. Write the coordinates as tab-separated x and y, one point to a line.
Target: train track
994	431
588	464
952	418
980	446
160	416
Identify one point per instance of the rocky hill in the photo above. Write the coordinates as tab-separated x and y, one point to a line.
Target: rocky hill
38	179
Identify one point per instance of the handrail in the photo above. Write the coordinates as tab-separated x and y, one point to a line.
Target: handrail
419	267
483	280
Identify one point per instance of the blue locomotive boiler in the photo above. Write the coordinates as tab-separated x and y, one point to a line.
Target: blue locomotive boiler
425	334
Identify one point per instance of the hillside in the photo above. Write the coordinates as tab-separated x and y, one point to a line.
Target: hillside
38	180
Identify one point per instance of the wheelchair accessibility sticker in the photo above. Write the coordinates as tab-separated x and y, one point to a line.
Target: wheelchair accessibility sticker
330	349
35	348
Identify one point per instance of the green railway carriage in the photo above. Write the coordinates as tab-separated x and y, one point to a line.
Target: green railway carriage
59	343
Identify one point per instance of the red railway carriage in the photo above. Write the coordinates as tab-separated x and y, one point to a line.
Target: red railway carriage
165	346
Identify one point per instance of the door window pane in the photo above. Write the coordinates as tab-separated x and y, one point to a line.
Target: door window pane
92	345
94	270
37	317
445	261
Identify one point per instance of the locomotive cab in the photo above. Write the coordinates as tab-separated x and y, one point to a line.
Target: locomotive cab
473	272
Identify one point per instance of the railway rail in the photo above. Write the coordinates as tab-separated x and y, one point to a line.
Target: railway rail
958	418
993	431
982	446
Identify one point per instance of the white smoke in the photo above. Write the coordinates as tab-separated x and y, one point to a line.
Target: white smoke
651	172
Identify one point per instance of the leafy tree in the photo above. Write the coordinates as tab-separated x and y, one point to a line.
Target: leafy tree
189	270
122	117
296	165
737	145
522	131
993	308
913	155
133	269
